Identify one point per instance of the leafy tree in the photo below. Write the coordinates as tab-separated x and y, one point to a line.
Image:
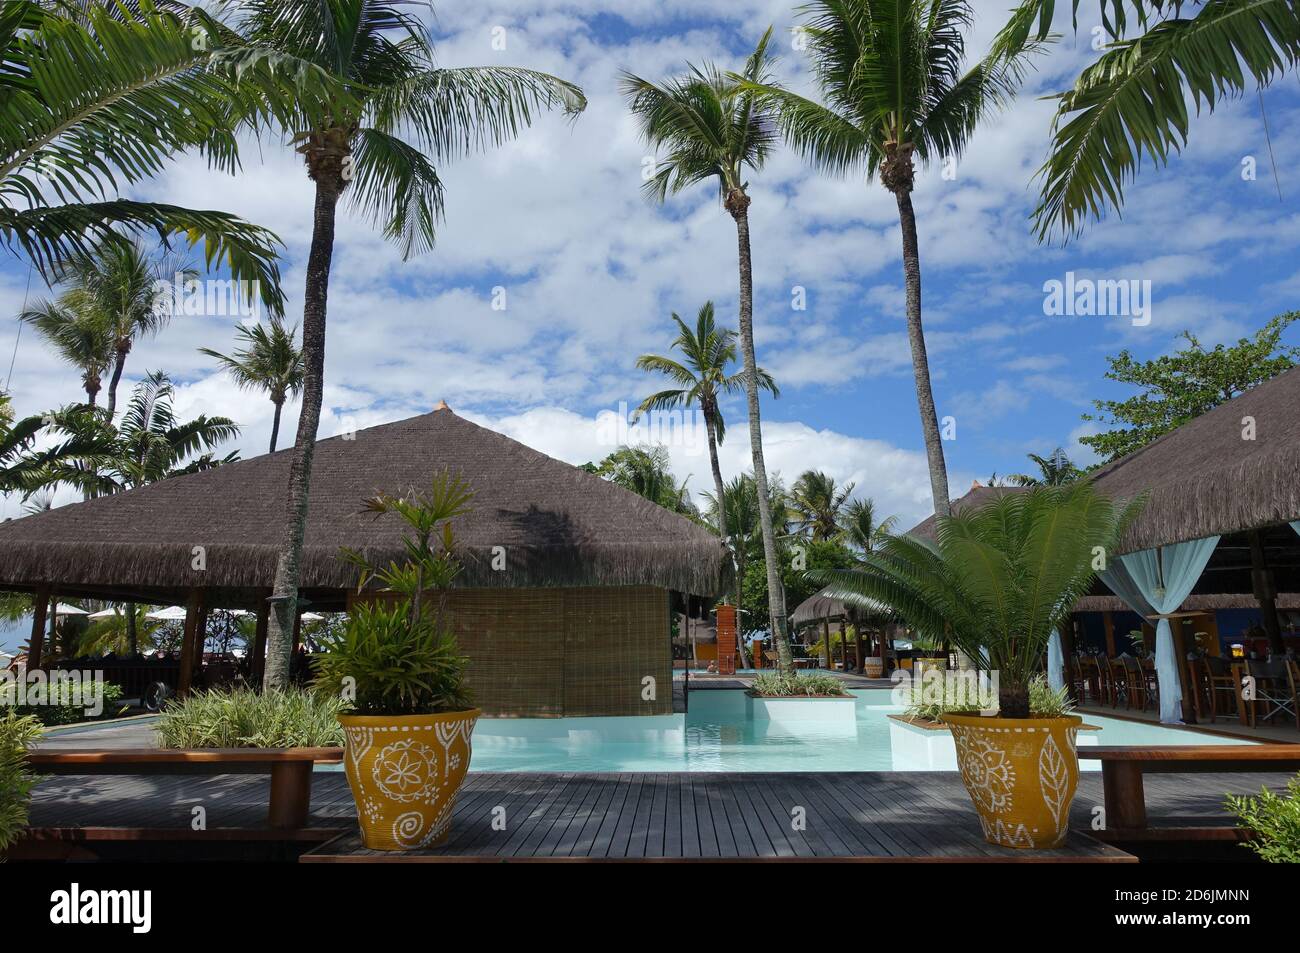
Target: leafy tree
1191	381
1053	470
715	130
399	115
818	504
1131	103
79	335
646	471
701	378
895	88
270	360
797	558
861	528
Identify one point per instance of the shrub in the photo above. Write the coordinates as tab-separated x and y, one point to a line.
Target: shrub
791	684
71	714
962	697
1275	821
17	734
280	718
1046	703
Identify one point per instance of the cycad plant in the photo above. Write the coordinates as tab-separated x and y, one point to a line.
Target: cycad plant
895	88
713	129
269	360
380	145
997	580
702	378
1131	103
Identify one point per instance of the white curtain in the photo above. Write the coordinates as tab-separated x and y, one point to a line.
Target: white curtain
1055	662
1154	582
1295	525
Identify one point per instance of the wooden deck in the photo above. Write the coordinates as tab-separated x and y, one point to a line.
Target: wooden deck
870	815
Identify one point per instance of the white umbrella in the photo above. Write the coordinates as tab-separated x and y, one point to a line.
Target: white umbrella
64	609
105	614
312	617
170	614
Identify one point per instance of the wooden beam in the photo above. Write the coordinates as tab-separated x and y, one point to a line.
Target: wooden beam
1264	583
40	607
192	607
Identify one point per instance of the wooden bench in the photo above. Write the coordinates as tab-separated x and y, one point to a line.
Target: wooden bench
290	769
1122	770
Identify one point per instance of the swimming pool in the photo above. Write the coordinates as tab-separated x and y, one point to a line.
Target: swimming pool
719	735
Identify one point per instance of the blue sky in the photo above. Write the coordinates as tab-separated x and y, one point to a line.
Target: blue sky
591	271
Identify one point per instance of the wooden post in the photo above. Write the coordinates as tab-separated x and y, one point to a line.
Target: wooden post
257	664
193	604
40	606
1108	623
826	642
1185	683
1265	586
857	645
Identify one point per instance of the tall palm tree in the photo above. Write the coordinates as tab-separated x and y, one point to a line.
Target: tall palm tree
647	472
861	528
893	78
712	129
270	360
79	334
818	503
402	115
1056	469
1131	102
707	353
739	517
101	97
120	280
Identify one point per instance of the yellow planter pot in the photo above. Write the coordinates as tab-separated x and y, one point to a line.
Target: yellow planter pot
1021	775
405	771
873	667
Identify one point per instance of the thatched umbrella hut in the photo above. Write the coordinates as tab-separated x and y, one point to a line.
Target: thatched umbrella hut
563	606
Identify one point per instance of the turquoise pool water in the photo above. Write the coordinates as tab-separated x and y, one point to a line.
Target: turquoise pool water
718	735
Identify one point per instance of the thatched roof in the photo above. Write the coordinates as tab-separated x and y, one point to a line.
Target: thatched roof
823	605
1204	479
1196	602
559	525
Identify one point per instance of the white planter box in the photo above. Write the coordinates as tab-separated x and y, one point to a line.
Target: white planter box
787	715
932	749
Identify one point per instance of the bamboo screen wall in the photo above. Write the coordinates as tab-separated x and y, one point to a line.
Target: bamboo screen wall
555	652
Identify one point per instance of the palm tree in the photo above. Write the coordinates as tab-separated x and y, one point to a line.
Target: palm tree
271	361
713	129
702	379
120	282
100	97
891	74
860	527
1131	102
818	503
399	107
79	334
646	471
739	517
1053	470
997	581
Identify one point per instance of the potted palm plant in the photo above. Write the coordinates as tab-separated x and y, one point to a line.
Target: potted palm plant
396	665
995	583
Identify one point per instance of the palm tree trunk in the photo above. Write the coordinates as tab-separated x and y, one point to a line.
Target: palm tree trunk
275	424
738	206
722	516
132	636
119	362
284	597
920	363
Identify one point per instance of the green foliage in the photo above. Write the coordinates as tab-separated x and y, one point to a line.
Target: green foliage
243	718
1275	820
1174	388
269	359
646	471
818	505
72	713
399	657
930	698
799	562
794	684
17	734
1053	470
1044	702
997	580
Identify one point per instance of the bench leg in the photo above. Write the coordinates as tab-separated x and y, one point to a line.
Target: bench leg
1126	807
290	794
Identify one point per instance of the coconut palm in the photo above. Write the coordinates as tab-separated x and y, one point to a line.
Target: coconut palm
818	504
1056	469
861	529
120	281
702	379
26	470
711	129
997	580
270	360
402	116
99	96
895	88
79	334
1130	104
739	517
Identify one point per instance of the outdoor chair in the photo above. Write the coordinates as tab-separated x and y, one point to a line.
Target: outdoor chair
1216	688
1136	683
1118	683
1272	687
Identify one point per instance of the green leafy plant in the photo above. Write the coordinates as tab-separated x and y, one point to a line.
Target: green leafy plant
66	705
947	696
17	734
1047	702
997	580
397	656
1275	820
243	718
791	685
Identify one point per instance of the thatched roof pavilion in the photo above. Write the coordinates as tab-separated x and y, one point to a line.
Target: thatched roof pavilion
581	599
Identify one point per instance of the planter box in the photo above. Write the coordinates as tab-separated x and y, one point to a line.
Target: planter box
838	714
928	746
